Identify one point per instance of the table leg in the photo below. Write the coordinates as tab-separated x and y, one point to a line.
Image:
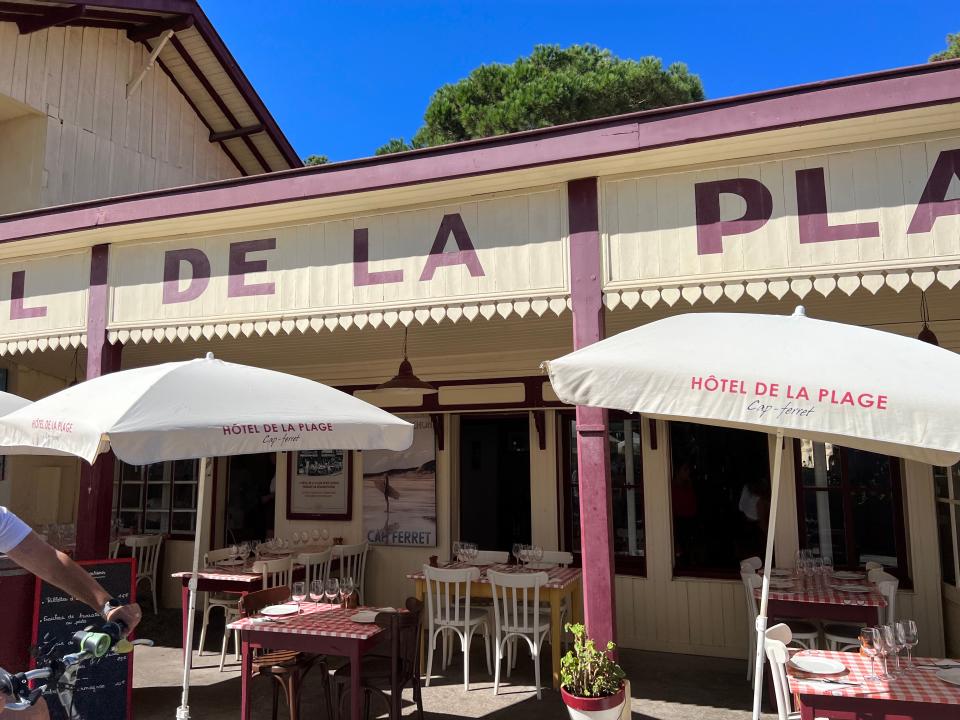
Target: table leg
555	635
356	696
420	593
185	612
246	667
576	606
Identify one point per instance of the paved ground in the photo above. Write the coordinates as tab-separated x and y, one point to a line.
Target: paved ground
664	686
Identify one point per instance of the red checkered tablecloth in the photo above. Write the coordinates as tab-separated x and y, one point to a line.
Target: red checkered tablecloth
915	685
825	592
559	578
320	620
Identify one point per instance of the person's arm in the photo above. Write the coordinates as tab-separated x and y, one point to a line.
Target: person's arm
44	561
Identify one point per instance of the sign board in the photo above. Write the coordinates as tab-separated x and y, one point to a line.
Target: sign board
400	491
319	485
104	686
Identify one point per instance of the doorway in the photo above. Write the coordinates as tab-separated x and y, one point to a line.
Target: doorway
495	480
251	488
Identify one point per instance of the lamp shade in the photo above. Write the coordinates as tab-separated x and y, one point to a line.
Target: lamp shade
406	381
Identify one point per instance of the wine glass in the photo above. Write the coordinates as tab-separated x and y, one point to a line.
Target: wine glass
457	547
315	533
316	591
324	534
299	593
870	645
304	537
346	588
515	551
908	637
331	589
888	647
537	553
472	551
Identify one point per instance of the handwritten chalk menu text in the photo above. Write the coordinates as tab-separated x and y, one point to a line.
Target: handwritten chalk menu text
103	686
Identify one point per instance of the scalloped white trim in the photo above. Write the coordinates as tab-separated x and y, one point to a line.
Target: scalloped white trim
39	344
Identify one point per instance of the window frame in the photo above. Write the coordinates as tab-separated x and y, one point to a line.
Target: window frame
846	489
144	483
953	504
623	564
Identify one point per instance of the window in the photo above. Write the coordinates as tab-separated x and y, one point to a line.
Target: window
720	497
626	479
946	483
158	498
850	506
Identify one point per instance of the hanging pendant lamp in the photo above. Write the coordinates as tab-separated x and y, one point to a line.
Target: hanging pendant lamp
926	334
405	381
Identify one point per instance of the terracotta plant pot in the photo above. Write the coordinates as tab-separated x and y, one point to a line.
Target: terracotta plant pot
604	708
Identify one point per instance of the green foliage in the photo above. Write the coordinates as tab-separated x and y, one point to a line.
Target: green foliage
586	671
552	86
394	145
952	51
316	160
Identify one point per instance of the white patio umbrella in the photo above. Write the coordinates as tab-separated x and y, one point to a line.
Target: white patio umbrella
10	402
791	376
198	409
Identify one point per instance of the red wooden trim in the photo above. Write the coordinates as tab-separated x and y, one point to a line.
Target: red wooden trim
348	467
653	433
889	91
540	422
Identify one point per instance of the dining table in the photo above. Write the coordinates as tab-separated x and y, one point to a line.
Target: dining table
822	597
319	628
915	694
563	582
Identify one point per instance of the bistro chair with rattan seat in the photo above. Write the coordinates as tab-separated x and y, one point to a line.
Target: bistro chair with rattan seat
397	669
287	668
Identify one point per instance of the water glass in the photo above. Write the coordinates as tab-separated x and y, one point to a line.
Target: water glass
870	645
304	537
316	591
315	534
299	593
827	565
331	590
457	548
515	551
908	637
892	646
346	588
537	553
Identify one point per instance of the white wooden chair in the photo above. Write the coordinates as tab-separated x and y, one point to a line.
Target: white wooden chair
228	602
517	614
353	563
871	565
145	550
751	563
449	613
846	636
775	646
803	633
316	565
487	557
114	548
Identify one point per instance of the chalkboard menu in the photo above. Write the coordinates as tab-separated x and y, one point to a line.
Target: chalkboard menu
103	686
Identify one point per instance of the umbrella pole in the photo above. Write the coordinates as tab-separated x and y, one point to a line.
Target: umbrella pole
767	565
183	712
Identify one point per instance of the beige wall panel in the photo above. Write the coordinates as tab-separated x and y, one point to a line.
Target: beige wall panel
519	243
55	290
650	225
481	394
21	162
546	507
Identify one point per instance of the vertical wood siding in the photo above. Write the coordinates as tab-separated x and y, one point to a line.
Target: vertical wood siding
99	143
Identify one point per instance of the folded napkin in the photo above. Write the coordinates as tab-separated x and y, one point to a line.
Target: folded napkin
370	614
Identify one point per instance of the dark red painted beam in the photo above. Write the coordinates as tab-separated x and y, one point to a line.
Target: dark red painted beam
239	132
59	16
153	29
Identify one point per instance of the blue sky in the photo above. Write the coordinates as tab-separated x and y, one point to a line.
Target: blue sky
343	77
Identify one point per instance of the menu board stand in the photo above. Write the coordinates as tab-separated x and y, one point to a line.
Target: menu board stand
104	686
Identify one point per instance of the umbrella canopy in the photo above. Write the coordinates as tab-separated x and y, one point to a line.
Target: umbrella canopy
198	408
788	375
10	402
814	379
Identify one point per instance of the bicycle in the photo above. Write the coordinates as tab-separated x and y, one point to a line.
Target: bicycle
60	673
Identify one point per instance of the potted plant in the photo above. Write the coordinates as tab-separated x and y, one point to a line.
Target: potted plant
591	683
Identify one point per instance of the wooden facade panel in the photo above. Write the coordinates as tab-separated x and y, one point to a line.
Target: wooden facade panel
44	296
77	76
771	216
481	250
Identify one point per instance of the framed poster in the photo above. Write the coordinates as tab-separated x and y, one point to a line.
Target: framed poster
319	485
400	491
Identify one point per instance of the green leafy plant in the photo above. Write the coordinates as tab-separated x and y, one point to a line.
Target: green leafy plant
586	671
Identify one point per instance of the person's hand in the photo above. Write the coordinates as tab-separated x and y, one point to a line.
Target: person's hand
129	615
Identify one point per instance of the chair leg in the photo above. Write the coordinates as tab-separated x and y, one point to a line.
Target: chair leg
223	648
465	643
153	590
418	696
432	646
276	699
496	667
292	701
236	645
535	652
486	648
325	688
207	607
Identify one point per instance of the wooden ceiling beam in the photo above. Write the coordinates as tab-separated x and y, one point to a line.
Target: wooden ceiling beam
59	16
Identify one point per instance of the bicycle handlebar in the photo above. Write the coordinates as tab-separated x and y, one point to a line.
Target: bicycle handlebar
91	644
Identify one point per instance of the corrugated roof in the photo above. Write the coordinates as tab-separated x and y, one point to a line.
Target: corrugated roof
196	60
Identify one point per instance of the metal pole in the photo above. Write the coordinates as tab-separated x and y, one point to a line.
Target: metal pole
767	565
183	712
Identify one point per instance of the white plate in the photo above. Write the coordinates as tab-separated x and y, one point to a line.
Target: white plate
280	610
230	563
364	616
950	676
857	589
813	665
848	575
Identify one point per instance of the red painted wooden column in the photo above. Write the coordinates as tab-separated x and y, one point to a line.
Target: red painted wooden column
593	465
94	508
